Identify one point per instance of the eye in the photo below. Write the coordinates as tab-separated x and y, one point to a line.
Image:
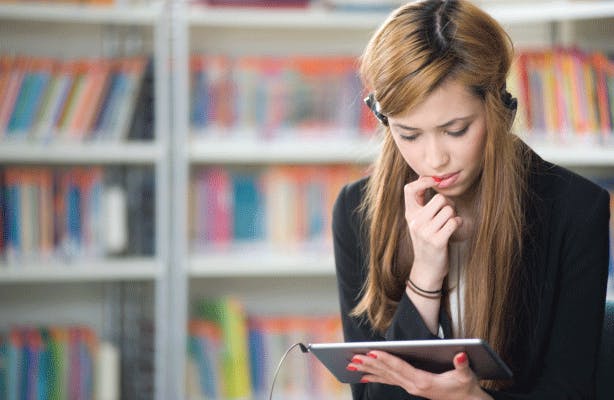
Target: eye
458	133
409	138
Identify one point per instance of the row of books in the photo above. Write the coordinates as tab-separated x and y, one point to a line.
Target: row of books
48	363
281	205
233	355
272	97
564	94
65	213
46	99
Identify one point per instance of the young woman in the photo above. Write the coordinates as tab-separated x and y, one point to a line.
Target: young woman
461	230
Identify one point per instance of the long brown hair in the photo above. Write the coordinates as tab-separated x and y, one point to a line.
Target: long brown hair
417	48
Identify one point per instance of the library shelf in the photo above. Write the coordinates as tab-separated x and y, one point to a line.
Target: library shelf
77	30
577	155
82	153
107	270
139	14
321	18
286	151
262	263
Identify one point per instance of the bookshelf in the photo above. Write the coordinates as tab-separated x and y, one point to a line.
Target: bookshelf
101	292
254	274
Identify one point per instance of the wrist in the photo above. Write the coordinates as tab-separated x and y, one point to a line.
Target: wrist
429	294
426	282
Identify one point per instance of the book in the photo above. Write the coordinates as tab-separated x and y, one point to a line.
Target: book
229	315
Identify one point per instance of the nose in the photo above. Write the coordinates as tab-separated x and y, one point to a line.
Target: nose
436	154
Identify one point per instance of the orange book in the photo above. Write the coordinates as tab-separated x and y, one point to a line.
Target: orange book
599	62
590	95
95	80
12	87
524	95
6	66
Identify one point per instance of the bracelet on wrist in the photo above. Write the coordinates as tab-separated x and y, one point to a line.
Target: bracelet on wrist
429	294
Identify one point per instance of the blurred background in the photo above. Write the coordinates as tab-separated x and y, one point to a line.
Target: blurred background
168	169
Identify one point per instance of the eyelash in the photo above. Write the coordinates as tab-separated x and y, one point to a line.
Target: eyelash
451	133
458	133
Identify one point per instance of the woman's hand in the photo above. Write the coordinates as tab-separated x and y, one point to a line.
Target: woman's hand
431	224
382	367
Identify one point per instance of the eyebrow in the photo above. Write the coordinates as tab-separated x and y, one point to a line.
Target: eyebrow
445	125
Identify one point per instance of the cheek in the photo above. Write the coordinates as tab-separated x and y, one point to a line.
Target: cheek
475	148
411	156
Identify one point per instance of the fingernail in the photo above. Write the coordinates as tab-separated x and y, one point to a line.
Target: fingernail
372	355
364	380
462	357
356	360
351	368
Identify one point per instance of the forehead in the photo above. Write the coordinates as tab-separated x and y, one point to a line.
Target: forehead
448	101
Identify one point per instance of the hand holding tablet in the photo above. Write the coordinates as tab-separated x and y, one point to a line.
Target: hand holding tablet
430	355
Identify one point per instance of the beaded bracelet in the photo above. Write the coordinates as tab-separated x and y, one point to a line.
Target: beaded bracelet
429	294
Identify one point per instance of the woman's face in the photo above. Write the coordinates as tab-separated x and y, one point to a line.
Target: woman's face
444	137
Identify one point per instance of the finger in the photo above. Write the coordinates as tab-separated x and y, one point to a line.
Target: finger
440	219
390	364
424	216
370	364
415	191
446	231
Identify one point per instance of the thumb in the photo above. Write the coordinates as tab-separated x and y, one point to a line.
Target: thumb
461	362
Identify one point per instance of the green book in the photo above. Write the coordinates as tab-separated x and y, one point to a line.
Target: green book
229	314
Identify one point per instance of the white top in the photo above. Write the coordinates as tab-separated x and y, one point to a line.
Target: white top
456	285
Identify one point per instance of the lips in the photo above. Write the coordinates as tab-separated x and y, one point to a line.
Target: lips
445	181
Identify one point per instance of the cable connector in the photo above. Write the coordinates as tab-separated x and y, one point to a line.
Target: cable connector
303	348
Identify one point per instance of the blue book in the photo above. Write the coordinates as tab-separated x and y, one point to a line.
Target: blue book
14	366
86	361
315	209
204	354
257	365
13	243
25	369
45	378
20	102
248	210
199	105
33	102
73	219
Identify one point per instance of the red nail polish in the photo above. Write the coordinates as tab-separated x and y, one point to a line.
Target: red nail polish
356	360
372	355
438	180
351	368
364	380
462	357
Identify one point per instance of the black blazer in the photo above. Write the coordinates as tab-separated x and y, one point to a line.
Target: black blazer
564	264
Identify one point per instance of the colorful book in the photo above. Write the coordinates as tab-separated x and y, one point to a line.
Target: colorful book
229	314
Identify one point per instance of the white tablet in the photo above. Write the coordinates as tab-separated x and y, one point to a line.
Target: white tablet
431	355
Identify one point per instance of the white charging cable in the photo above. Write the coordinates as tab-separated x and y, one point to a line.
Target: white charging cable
304	349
